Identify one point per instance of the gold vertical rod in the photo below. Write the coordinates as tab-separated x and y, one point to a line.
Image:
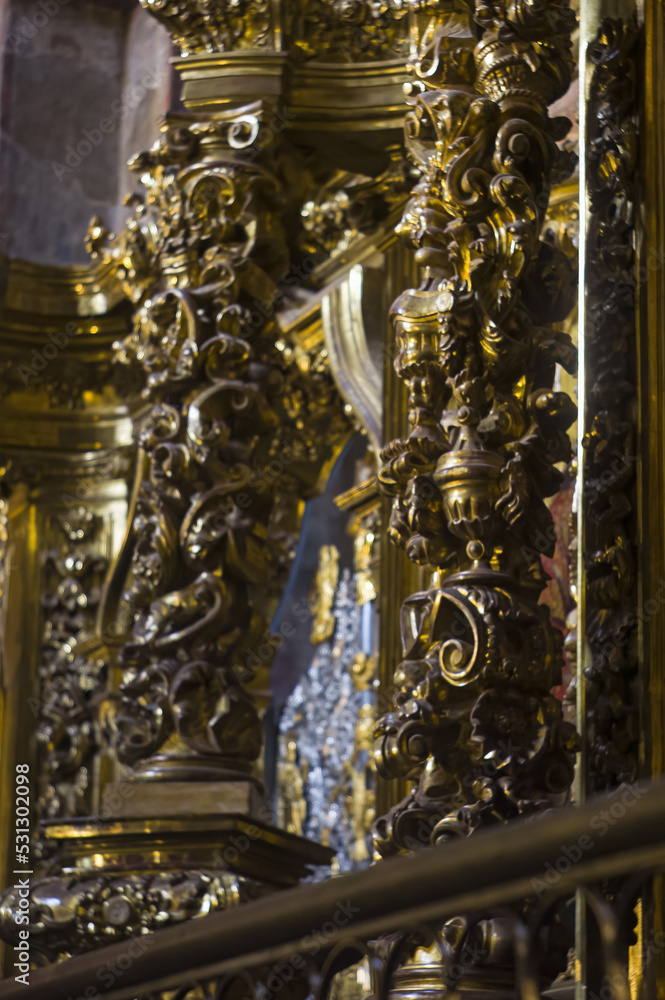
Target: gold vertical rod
650	226
589	19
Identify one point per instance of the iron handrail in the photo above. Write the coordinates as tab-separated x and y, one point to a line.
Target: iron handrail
619	834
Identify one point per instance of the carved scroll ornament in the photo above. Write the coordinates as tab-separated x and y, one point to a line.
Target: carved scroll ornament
474	722
225	397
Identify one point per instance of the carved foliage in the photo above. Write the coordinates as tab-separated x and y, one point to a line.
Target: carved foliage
610	444
224	395
328	30
486	430
349	30
69	681
351	205
215	25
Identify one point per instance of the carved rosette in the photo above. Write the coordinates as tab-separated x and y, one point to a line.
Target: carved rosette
216	513
610	455
474	722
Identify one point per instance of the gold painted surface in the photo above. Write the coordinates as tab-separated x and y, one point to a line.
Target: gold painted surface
65	439
398	576
345	111
292	807
58	291
325	586
358	378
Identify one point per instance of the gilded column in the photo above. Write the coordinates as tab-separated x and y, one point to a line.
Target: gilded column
183	826
610	459
474	724
203	548
216	514
619	602
67	453
475	727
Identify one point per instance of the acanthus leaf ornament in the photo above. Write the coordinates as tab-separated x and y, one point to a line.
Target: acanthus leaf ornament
223	396
208	26
474	722
349	30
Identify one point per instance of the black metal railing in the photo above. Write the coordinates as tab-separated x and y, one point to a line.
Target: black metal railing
497	890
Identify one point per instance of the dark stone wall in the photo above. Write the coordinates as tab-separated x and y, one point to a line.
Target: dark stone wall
82	86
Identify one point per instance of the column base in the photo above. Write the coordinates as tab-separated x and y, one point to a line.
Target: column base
180	799
122	878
